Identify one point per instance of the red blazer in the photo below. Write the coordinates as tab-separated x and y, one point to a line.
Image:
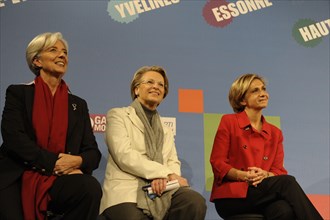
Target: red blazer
238	145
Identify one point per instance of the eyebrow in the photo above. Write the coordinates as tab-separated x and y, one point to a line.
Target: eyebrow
256	88
151	80
55	48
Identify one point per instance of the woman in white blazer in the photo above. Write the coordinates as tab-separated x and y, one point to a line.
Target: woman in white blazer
142	153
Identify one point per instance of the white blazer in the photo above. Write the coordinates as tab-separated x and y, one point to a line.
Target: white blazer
128	159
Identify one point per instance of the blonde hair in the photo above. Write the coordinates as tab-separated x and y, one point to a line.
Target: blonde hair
139	73
40	43
239	88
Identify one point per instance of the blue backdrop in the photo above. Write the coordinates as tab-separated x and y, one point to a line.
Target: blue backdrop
198	52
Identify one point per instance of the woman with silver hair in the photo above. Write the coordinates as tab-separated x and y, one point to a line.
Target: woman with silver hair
49	150
142	155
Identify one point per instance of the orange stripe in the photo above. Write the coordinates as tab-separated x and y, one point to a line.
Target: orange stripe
322	204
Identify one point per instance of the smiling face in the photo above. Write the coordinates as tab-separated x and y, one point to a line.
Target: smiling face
150	91
256	96
53	60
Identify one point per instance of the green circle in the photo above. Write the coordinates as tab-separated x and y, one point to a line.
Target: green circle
297	35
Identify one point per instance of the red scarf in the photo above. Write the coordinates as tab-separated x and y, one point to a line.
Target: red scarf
50	123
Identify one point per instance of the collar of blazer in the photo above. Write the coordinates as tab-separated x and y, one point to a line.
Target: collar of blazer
244	123
74	113
131	114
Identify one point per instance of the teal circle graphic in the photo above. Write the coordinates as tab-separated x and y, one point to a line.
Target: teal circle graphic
115	15
297	35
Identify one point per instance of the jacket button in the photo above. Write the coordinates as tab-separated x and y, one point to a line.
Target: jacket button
244	146
265	158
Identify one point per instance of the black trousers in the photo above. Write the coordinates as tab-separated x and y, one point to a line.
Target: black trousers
186	204
72	197
278	197
10	202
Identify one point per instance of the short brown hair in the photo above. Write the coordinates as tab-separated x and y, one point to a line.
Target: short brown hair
239	88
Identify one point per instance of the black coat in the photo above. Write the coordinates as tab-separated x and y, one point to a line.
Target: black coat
19	150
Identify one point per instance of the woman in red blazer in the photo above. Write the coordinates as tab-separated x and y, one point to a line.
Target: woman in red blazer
247	160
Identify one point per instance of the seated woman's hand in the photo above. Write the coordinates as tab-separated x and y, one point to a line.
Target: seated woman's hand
256	175
75	171
66	164
158	186
182	181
